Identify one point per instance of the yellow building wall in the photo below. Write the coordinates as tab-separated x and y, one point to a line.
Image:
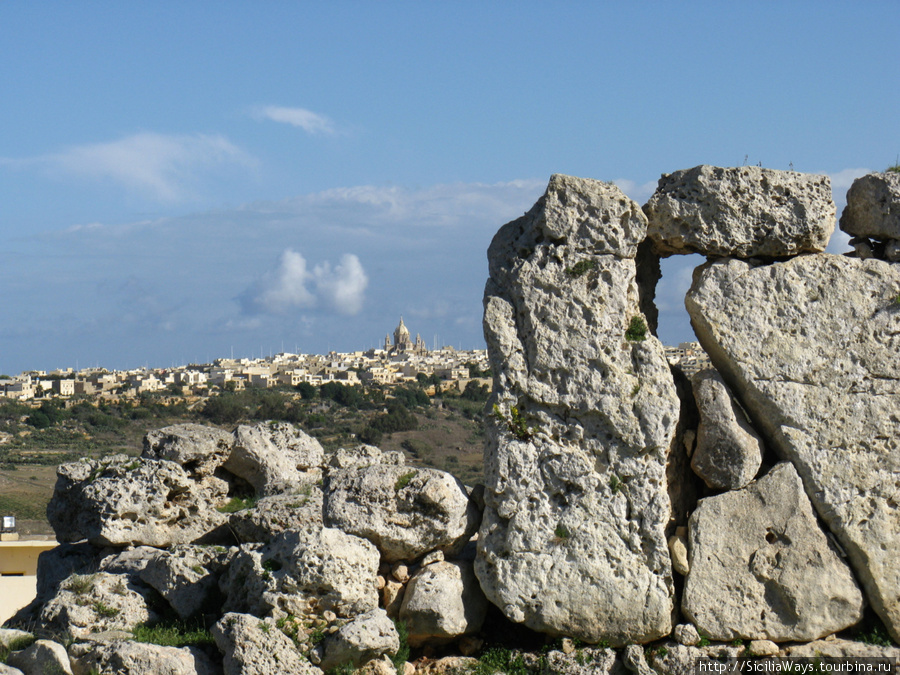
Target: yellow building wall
18	574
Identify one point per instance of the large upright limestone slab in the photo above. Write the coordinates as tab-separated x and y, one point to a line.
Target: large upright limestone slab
811	347
742	211
572	540
762	568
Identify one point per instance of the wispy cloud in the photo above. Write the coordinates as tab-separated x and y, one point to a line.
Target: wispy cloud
310	122
639	192
160	166
292	285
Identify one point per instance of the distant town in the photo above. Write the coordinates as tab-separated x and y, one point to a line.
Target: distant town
400	360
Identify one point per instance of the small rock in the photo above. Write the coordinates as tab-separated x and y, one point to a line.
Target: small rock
686	634
98	602
203	449
400	572
433	557
392	597
688	438
302	572
679	553
762	648
635	661
44	656
568	646
363	638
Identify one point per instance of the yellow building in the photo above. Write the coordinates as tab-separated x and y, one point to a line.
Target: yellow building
18	571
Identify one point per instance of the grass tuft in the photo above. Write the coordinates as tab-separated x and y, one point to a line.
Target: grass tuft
172	634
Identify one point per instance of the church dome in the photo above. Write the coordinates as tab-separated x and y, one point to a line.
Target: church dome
401	334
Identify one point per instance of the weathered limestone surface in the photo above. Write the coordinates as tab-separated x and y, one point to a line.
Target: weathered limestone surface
443	600
743	212
98	602
585	419
811	347
728	452
199	449
138	658
304	572
186	576
44	656
270	516
873	206
761	567
254	646
274	457
120	500
405	511
363	638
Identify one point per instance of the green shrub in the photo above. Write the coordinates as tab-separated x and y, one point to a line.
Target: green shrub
580	268
637	329
499	660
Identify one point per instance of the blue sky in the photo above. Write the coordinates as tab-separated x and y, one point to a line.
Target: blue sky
180	180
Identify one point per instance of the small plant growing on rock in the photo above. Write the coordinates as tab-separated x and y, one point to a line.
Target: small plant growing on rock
271	565
637	329
403	481
580	268
515	423
105	610
615	484
80	584
561	534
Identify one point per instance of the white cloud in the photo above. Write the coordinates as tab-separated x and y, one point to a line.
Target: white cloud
287	287
310	122
164	167
342	288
